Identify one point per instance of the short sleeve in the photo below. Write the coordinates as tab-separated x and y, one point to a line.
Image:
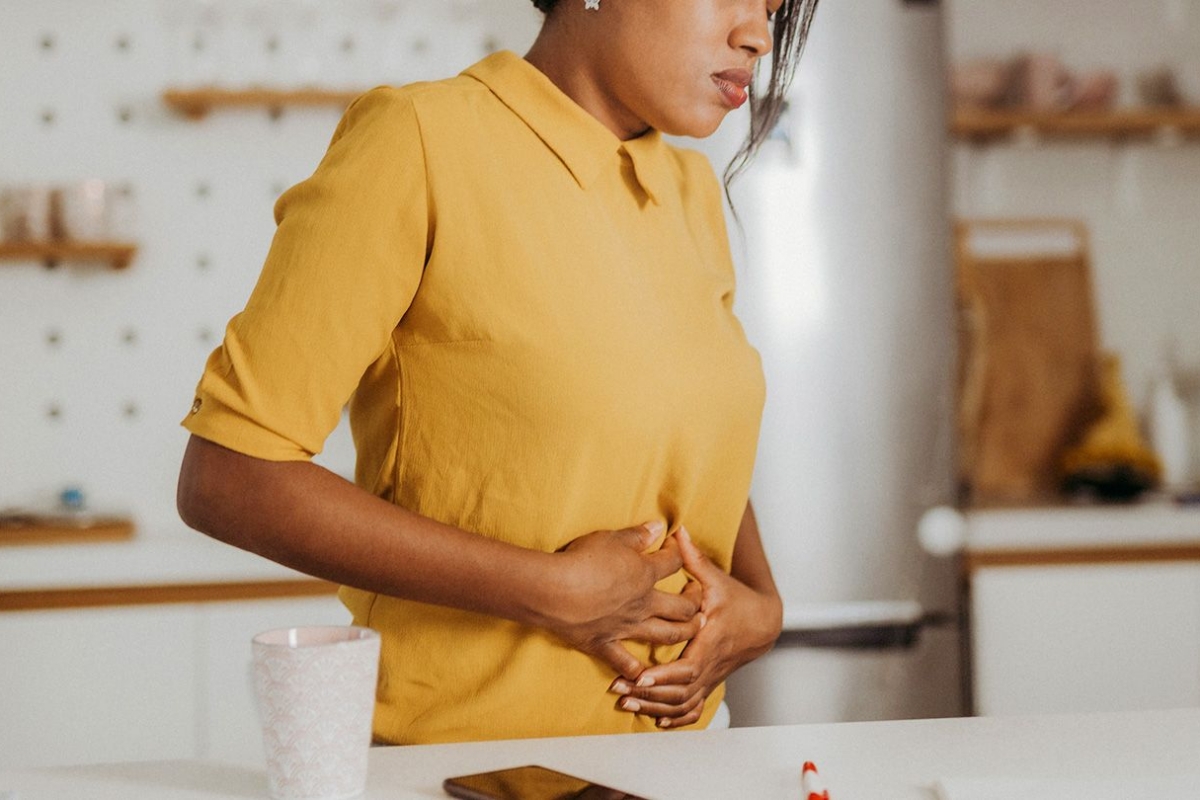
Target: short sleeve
347	256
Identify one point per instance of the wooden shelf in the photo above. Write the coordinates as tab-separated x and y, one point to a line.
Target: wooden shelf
198	103
22	530
159	594
117	254
1170	124
1151	552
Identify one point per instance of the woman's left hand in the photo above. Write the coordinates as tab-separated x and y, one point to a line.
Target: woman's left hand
740	625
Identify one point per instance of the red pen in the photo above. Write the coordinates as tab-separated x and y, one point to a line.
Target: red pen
810	783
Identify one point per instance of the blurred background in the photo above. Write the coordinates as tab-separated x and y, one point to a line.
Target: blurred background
968	256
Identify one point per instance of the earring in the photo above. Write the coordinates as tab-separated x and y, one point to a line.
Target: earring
591	5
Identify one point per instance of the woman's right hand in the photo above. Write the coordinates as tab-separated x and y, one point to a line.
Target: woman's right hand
609	596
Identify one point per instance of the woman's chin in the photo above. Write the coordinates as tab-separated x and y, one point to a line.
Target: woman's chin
695	128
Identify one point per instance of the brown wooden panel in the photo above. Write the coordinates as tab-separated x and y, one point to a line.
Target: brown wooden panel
35	599
1072	556
1028	360
117	254
198	103
36	533
984	124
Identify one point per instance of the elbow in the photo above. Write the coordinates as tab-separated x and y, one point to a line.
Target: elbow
187	505
772	615
189	490
198	495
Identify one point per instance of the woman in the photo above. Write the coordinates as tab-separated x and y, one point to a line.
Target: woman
525	296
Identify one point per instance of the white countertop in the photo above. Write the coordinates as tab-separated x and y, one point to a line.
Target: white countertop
1100	755
147	561
1115	525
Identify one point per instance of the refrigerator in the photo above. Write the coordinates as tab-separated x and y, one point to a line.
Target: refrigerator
846	289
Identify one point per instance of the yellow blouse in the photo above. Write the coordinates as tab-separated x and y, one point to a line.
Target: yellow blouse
532	324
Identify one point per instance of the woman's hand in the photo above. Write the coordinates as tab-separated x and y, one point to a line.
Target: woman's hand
609	596
741	625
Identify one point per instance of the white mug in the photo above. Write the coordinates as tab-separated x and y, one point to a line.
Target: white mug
315	688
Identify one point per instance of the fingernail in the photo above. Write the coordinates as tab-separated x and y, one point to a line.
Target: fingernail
645	681
684	533
620	687
663	722
703	621
629	704
657	527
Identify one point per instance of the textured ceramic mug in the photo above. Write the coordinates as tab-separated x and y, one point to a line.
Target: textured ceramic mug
315	688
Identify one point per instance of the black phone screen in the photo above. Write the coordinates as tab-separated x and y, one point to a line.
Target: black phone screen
530	783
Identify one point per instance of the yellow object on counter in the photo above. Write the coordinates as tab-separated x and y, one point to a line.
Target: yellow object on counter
532	322
1113	453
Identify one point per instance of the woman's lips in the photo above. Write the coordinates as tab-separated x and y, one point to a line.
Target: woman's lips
732	84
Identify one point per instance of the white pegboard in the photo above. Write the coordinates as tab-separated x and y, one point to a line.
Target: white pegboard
98	366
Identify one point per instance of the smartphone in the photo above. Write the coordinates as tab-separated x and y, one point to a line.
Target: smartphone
530	783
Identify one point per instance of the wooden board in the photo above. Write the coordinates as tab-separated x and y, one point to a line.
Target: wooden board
159	594
983	125
198	103
55	530
1148	553
118	255
1028	355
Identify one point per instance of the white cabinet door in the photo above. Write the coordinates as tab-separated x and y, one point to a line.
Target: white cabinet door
86	686
229	722
138	683
1086	638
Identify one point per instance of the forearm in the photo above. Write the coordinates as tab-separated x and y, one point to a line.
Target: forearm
305	517
750	565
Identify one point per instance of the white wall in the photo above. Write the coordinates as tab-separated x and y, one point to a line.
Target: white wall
118	353
1140	201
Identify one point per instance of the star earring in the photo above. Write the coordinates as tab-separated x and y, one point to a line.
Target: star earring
591	5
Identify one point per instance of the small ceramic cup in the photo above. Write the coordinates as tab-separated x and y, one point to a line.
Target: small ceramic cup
25	213
83	211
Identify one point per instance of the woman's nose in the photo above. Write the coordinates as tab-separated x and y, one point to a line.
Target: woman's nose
753	34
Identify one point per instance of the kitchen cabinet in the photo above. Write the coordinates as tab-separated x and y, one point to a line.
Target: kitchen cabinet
133	683
1090	637
98	684
1084	610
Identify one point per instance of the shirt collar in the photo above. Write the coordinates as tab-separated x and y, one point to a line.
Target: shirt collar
651	163
583	144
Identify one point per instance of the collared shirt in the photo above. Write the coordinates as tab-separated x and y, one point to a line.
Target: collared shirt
532	324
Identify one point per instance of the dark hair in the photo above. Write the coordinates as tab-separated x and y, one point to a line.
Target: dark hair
792	22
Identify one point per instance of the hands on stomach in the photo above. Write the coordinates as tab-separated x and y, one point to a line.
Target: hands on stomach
740	624
610	596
